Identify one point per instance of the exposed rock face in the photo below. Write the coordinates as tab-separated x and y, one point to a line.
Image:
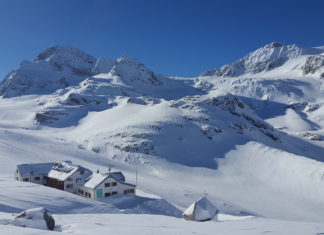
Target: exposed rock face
266	58
35	218
313	64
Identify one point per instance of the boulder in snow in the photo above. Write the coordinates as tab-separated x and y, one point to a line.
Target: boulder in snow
201	210
35	218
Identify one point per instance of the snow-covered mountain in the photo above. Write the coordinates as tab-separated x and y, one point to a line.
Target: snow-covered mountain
270	57
249	133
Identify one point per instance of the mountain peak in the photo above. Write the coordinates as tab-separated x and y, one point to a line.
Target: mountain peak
265	58
67	57
274	44
62	51
128	59
131	69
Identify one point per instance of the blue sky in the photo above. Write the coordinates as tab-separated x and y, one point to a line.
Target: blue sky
173	37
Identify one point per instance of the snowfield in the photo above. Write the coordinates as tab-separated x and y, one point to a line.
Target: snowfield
249	135
157	224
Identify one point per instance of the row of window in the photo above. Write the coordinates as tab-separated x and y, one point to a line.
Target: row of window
127	191
27	179
110	184
69	186
110	194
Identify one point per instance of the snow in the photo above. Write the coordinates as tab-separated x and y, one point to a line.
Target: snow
242	140
263	59
95	180
160	225
35	168
62	170
292	122
34	218
200	210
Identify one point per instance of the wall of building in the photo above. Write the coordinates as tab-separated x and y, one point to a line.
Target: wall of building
35	178
85	192
118	189
54	183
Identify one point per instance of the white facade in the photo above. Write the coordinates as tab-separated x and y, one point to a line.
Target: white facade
72	183
34	173
103	185
75	179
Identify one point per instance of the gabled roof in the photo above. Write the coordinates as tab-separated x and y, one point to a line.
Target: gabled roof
117	176
35	168
63	170
96	179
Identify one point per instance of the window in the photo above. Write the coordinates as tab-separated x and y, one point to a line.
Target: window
80	191
25	179
37	178
86	194
113	183
81	172
127	191
107	194
113	193
107	185
69	186
17	178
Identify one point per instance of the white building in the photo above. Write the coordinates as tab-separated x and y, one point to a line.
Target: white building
35	172
103	185
67	177
76	179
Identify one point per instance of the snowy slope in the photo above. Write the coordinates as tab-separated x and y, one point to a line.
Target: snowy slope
288	96
252	141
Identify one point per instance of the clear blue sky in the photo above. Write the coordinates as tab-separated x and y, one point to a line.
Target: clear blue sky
173	37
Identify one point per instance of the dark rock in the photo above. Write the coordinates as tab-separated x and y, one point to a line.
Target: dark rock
312	64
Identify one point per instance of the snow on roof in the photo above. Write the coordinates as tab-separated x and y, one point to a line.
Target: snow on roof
63	170
96	179
34	168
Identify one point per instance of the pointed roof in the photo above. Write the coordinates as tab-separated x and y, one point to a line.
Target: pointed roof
96	179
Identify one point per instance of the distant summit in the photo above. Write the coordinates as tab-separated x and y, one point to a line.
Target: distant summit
61	67
265	58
